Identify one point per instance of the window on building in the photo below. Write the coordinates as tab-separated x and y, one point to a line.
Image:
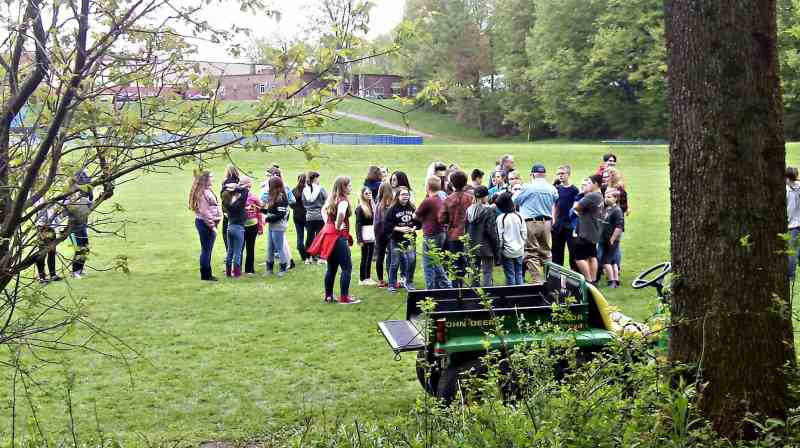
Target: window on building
261	89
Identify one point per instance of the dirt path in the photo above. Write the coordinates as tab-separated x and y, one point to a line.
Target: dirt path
384	124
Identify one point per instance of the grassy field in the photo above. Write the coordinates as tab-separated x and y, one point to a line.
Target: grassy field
229	359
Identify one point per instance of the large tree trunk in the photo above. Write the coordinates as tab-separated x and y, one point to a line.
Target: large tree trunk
727	160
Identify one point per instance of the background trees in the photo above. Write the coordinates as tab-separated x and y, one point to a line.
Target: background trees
580	69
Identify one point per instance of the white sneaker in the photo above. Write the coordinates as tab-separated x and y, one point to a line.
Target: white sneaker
367	282
321	262
76	275
308	261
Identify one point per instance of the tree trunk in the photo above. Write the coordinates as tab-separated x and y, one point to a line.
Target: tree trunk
727	160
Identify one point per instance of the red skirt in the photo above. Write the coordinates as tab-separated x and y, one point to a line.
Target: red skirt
325	241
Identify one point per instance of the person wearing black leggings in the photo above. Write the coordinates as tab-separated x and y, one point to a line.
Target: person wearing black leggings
382	203
365	236
314	197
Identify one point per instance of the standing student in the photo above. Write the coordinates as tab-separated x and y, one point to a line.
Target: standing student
477	178
382	203
454	216
793	213
512	233
499	185
434	236
207	215
314	197
234	201
401	229
48	225
365	235
536	205
562	225
587	233
334	241
78	208
299	216
482	231
253	226
373	180
231	177
276	210
613	224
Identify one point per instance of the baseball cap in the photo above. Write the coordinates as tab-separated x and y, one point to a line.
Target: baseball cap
480	192
538	168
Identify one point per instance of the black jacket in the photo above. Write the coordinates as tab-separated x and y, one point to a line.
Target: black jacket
482	229
399	216
237	214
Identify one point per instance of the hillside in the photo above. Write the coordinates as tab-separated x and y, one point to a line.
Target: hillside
444	127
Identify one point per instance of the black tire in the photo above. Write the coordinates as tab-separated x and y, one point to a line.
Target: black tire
450	379
431	383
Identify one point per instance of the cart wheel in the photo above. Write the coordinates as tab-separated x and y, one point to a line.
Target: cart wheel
430	383
451	377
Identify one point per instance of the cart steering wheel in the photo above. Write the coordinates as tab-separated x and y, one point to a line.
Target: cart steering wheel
641	280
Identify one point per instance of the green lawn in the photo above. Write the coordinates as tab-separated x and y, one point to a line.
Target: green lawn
226	360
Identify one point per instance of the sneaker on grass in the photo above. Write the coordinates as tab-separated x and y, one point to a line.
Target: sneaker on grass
348	300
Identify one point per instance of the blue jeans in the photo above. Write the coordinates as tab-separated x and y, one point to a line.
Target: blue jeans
299	229
435	276
276	245
81	238
456	247
340	257
207	237
235	245
794	251
514	271
402	258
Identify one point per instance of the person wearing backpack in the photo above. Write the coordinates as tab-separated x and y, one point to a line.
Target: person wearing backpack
512	233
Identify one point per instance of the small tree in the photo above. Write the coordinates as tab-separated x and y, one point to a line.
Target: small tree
66	65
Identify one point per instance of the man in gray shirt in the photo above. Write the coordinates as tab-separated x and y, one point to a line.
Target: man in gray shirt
587	233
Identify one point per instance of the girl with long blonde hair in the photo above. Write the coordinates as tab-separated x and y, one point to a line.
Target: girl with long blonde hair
207	215
334	241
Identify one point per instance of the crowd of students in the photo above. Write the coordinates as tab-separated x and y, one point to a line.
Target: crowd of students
466	225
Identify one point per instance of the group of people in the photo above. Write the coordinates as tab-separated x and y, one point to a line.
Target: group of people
468	226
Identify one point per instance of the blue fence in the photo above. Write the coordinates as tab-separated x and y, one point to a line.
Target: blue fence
330	139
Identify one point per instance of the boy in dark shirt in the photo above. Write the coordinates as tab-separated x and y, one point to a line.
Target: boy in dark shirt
433	235
613	224
482	231
562	225
587	233
401	228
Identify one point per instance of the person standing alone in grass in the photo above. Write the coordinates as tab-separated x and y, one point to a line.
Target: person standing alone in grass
334	241
536	205
433	235
314	197
512	233
365	235
276	210
299	215
382	203
562	224
401	229
234	202
454	216
207	215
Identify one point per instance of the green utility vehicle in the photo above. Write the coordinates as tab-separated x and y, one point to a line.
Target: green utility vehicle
455	334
